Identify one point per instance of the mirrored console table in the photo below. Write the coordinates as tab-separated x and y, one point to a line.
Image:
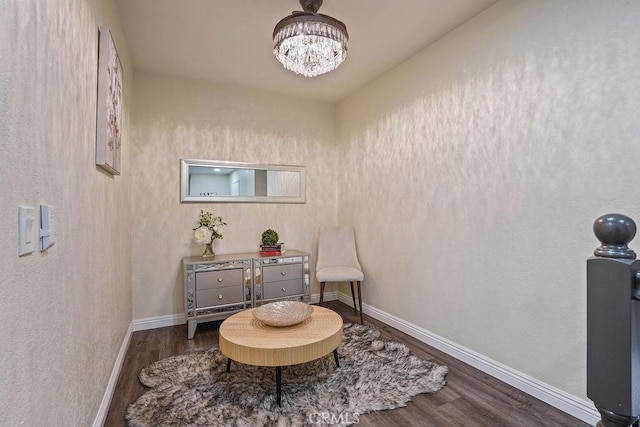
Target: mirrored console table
216	288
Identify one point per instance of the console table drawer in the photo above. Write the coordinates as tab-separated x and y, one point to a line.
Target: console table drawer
218	279
216	288
283	288
277	273
220	296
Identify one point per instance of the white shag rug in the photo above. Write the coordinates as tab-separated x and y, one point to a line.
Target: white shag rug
195	389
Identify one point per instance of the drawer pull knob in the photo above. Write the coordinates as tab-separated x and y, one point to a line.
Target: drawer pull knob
284	289
284	273
219	279
220	296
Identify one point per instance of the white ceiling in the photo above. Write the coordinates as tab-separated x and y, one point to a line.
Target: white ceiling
230	41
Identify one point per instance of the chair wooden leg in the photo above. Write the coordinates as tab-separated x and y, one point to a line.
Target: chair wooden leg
360	302
353	296
322	292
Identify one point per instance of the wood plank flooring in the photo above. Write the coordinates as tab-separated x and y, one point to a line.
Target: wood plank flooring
470	398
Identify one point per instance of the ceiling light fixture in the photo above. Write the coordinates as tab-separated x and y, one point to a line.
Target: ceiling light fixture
310	43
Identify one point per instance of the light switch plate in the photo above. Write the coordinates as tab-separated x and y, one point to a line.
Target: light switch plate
26	234
47	229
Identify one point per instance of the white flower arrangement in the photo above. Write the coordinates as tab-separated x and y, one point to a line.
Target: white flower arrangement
208	228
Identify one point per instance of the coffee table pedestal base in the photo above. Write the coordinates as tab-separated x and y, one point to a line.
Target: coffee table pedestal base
279	375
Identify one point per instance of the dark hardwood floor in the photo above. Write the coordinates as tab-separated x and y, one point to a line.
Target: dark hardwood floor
470	398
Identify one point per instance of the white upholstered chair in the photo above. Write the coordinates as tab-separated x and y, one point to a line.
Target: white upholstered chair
338	260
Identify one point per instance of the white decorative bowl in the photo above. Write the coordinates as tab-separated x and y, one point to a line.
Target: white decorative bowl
283	313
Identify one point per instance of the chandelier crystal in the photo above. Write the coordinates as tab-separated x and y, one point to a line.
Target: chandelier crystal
309	43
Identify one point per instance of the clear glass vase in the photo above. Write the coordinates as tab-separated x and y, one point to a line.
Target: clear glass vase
208	251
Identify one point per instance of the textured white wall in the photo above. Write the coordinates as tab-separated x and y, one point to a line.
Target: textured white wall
478	167
176	119
64	312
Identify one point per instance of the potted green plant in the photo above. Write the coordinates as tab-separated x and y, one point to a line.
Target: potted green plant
270	237
270	244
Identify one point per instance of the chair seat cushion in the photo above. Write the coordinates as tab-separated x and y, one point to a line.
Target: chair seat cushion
339	274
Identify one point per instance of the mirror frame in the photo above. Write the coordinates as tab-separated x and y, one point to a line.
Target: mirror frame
184	182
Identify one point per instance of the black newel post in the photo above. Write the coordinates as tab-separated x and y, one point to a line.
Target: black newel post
613	323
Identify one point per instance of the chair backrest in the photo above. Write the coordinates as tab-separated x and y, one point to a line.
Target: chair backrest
337	248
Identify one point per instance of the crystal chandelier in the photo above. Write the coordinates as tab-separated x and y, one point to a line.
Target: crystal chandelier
310	43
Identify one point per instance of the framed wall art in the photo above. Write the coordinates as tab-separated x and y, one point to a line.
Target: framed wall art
109	110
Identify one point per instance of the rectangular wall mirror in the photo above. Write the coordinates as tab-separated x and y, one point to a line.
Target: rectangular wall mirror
219	181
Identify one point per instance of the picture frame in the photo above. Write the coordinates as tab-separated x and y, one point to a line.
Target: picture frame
109	105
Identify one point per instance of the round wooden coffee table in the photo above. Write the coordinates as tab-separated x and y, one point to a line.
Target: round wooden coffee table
245	339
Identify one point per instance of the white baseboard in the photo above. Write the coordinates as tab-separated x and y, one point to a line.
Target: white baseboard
159	322
328	296
180	319
572	405
101	416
